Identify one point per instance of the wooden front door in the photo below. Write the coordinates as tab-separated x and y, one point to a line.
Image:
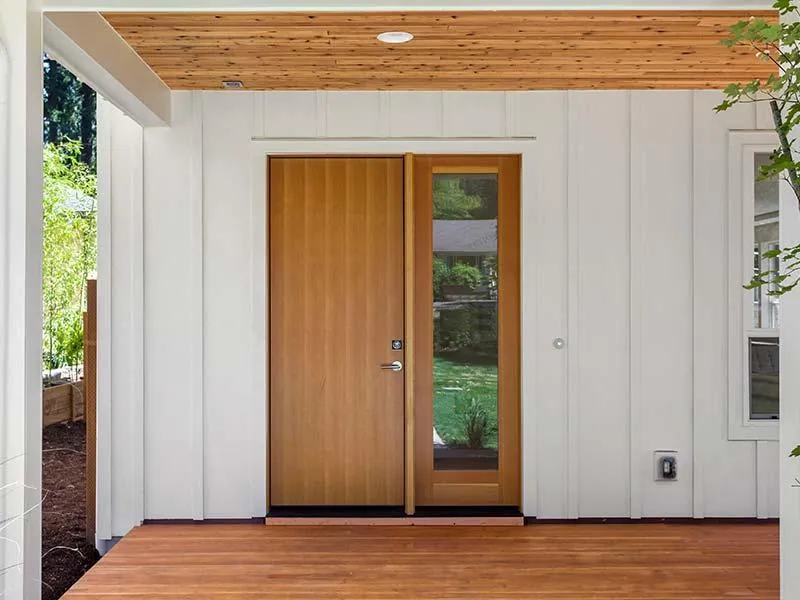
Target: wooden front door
336	288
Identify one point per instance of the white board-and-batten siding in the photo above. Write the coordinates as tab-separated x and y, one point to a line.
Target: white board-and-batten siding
624	256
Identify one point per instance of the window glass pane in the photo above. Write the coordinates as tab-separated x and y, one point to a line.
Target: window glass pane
766	308
465	291
764	377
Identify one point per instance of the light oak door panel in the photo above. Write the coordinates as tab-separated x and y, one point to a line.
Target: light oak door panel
336	304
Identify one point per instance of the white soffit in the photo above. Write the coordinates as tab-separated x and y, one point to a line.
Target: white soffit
393	5
88	46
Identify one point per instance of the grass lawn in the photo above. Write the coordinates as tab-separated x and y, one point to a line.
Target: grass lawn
455	384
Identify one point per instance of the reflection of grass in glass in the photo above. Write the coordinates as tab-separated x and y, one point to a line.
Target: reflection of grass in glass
455	385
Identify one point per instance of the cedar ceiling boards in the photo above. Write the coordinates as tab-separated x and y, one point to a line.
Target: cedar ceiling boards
502	50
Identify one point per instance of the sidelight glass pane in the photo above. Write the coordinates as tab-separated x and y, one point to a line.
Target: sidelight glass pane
764	377
465	292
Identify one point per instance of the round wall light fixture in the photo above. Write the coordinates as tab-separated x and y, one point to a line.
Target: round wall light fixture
395	37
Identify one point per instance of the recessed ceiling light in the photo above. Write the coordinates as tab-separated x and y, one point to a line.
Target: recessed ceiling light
233	84
395	37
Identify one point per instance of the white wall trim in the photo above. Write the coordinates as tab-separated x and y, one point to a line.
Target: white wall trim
88	46
259	470
262	149
741	148
528	305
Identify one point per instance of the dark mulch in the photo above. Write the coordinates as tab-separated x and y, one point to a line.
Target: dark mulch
66	555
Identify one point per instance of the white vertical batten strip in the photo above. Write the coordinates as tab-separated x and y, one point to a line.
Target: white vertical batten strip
636	186
530	195
567	267
573	295
510	113
104	291
196	307
137	322
698	440
385	113
698	510
762	487
259	113
322	113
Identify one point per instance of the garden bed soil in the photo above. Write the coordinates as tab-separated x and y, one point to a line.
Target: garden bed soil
66	555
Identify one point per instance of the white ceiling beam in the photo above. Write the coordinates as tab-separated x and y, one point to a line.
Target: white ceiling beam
393	5
88	46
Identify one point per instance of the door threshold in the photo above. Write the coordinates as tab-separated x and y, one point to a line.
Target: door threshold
403	521
383	516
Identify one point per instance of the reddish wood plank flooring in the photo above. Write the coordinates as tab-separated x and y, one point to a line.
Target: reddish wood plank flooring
542	561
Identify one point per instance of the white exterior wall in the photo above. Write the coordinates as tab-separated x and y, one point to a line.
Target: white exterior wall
624	221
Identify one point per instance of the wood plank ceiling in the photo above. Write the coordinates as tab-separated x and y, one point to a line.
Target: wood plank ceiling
450	51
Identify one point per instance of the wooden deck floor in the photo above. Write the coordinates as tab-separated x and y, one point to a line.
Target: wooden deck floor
572	561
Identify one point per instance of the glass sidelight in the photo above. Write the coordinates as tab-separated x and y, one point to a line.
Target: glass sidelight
466	330
465	300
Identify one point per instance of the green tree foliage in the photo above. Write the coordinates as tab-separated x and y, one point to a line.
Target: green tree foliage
69	250
69	110
779	44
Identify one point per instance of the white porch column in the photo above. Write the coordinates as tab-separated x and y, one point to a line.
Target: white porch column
20	298
790	412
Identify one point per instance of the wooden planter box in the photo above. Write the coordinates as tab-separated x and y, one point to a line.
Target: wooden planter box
62	403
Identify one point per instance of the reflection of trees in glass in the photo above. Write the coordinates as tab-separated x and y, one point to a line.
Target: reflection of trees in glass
465	314
485	187
440	273
450	201
489	268
465	197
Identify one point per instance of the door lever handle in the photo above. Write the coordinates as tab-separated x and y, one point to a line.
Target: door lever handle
392	366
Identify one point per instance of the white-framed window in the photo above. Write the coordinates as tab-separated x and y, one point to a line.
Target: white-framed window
754	315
